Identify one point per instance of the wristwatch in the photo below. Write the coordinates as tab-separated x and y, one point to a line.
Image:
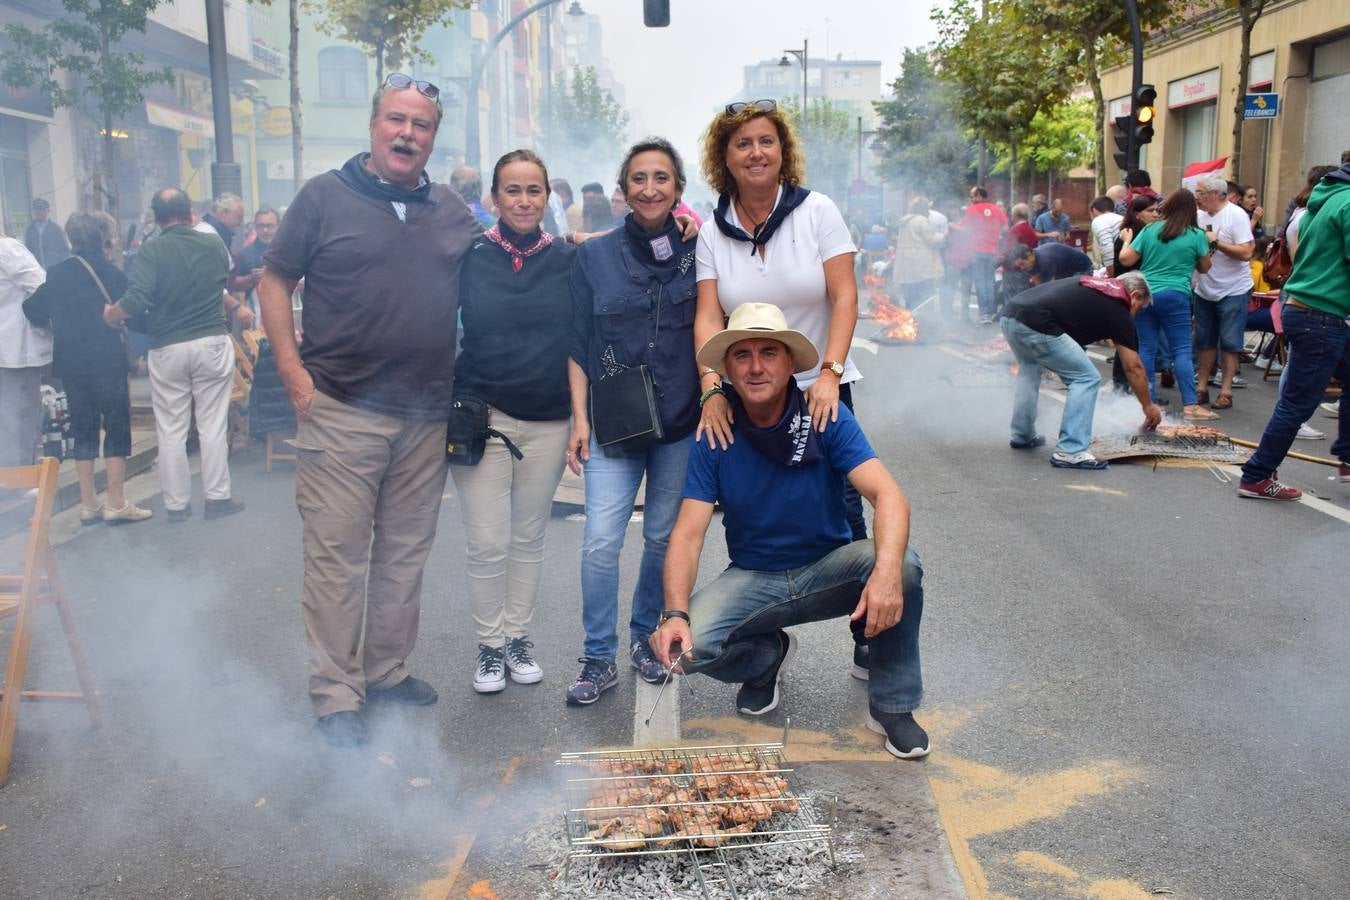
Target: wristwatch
836	367
674	614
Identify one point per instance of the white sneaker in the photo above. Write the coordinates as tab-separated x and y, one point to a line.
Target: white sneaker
519	662
125	516
1276	367
1333	410
490	676
1238	380
91	516
1307	433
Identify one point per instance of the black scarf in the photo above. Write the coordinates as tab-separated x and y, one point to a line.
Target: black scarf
792	198
793	441
659	251
360	179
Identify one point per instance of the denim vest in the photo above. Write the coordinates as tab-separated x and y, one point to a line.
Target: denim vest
615	323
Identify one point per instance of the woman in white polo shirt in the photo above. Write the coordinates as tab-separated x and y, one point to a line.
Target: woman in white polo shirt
774	240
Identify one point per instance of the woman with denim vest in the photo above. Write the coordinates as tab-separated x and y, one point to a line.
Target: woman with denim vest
633	299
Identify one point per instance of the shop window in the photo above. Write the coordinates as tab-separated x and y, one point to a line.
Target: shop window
1198	122
342	75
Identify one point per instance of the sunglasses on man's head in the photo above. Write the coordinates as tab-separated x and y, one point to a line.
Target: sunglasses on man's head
734	109
398	81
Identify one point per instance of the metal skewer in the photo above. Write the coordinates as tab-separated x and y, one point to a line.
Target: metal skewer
670	673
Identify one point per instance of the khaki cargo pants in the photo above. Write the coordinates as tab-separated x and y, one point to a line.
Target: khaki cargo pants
369	488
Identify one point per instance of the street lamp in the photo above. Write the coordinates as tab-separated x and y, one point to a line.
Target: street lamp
803	57
472	150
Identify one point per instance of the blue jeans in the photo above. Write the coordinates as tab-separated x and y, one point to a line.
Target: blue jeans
1062	355
1319	348
736	620
853	507
611	487
1167	318
982	266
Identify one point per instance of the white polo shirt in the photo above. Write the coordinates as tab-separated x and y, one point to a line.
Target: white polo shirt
790	275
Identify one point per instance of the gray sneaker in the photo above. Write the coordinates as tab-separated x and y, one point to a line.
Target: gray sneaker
648	666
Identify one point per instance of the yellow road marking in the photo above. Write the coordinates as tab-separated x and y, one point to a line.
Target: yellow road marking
441	888
1094	489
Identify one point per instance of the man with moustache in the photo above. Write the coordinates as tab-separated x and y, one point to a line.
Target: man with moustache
380	248
793	557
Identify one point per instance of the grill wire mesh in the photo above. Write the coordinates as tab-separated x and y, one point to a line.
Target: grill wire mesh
1216	448
700	802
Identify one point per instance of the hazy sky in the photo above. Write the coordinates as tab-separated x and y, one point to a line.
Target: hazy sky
676	77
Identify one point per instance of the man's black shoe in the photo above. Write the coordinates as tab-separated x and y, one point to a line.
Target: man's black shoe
343	729
905	738
758	699
179	515
862	662
410	690
219	509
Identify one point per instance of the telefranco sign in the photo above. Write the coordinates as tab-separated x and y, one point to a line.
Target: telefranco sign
1261	106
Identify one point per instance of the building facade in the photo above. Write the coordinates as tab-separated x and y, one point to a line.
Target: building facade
1300	50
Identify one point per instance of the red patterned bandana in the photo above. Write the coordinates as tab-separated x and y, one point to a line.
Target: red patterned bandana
518	255
1111	287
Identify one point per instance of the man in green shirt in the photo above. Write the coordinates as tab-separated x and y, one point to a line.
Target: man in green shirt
178	284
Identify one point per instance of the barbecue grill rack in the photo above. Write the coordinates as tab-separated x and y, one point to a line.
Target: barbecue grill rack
1215	448
668	801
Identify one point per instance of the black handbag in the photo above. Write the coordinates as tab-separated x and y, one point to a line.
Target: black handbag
623	407
467	432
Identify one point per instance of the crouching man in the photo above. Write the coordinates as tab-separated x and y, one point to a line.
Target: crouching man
781	487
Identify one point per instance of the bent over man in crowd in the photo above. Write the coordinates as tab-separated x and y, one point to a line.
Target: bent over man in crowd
380	249
1047	328
793	560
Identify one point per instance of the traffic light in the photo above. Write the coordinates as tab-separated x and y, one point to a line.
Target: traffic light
1121	133
656	13
1142	112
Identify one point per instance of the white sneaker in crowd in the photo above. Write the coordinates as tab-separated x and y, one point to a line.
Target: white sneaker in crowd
490	676
90	516
1307	433
125	516
520	664
1333	410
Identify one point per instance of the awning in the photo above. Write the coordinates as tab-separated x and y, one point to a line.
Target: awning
179	120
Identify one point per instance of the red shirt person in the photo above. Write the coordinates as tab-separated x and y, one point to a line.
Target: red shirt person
983	225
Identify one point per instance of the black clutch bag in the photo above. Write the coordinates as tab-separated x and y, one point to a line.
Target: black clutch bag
623	407
467	432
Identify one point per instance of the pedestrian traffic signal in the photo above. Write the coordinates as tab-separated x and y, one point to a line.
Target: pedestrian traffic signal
656	13
1121	132
1142	110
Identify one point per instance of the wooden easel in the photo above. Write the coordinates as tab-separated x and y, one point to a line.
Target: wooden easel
21	595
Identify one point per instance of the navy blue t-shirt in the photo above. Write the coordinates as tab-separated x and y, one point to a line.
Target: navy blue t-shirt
779	517
1055	261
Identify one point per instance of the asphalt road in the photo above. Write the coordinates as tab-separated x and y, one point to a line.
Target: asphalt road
1135	683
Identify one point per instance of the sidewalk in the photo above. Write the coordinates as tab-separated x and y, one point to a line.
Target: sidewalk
14	514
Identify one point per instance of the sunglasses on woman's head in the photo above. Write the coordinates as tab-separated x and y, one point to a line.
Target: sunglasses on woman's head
398	81
761	105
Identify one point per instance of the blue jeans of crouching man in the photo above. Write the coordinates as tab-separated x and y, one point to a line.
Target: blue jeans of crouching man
736	619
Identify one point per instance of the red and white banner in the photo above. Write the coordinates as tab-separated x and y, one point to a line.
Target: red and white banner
1195	171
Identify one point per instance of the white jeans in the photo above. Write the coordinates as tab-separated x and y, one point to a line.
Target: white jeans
505	503
199	372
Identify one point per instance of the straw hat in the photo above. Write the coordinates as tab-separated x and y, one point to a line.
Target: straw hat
758	320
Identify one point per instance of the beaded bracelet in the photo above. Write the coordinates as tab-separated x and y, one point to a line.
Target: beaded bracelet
703	398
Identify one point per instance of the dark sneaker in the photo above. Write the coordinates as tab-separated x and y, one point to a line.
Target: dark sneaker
648	666
410	690
1344	472
343	729
905	738
1169	379
597	676
490	676
1037	441
179	515
758	699
1268	489
862	662
219	509
519	662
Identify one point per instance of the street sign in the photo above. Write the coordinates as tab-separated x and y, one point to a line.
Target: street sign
275	122
1261	106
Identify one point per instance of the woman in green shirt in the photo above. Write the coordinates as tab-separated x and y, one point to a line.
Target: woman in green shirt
1168	251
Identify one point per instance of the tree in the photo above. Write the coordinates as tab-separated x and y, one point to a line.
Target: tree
829	140
1248	12
1060	137
923	147
584	121
104	80
1002	70
391	29
293	73
1093	33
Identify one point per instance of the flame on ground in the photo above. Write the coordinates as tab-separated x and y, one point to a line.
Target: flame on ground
900	322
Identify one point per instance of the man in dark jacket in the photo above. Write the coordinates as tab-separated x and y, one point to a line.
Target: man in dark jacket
45	239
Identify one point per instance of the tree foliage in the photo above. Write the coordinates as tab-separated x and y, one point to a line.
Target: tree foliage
103	79
923	148
829	138
583	120
1248	12
392	30
1002	70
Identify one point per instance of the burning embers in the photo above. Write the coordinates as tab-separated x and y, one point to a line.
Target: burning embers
900	325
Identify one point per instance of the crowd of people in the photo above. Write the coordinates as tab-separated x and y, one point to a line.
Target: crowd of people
499	335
